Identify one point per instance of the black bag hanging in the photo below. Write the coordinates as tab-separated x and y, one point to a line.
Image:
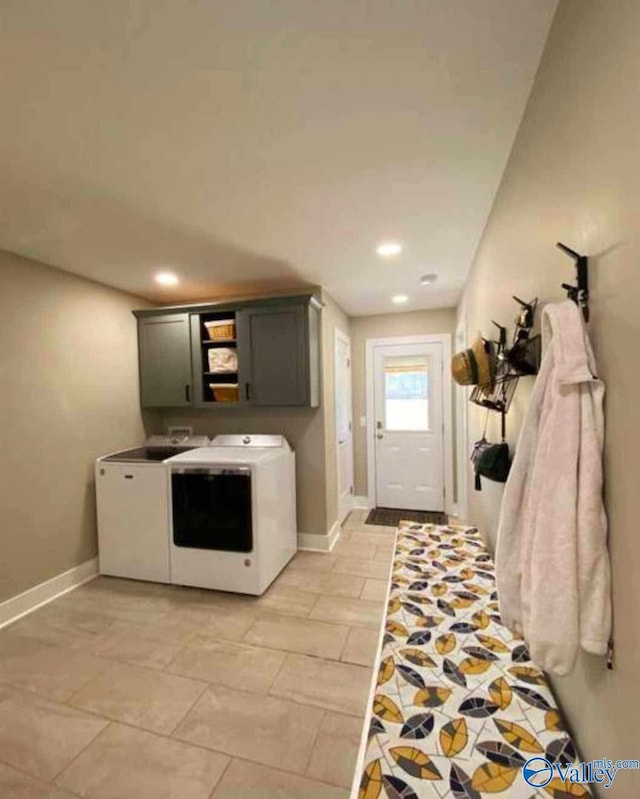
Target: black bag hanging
494	462
478	448
490	460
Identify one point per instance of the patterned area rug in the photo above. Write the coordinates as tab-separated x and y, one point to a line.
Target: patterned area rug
459	707
390	517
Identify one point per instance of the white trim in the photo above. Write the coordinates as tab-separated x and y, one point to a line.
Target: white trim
43	593
362	502
344	507
461	509
436	338
448	423
315	542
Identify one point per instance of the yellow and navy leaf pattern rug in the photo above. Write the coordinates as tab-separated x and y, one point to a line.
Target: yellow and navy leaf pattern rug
459	707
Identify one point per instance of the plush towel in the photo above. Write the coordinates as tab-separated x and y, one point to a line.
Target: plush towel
551	557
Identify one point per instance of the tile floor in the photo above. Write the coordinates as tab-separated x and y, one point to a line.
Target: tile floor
126	689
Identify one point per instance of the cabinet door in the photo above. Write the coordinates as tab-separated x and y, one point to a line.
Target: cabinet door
165	361
273	355
133	520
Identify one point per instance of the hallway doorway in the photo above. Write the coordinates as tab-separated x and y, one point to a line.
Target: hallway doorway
409	442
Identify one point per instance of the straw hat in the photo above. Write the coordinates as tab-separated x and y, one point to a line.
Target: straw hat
475	366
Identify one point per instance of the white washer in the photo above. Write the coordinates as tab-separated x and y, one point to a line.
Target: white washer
132	498
233	513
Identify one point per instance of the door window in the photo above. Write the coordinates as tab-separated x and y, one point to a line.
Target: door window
406	393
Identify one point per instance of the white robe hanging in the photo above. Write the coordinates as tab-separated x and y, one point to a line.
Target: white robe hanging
552	563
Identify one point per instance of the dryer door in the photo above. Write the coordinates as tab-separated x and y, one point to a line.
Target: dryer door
212	508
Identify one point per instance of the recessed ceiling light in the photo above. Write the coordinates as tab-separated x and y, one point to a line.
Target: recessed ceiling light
166	279
426	280
389	248
399	299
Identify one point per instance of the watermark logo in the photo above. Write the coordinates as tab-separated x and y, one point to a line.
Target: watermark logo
538	771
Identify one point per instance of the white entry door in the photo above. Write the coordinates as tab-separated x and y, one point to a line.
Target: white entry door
344	432
409	435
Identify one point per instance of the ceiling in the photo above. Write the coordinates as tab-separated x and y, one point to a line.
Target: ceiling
261	144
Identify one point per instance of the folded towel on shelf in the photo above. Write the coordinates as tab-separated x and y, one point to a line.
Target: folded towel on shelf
223	360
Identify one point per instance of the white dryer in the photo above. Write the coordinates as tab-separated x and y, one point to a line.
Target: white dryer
233	513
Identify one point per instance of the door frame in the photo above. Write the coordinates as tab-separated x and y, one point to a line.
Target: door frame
436	338
461	407
341	337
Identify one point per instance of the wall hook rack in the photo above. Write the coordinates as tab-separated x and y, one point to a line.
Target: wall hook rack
580	293
520	359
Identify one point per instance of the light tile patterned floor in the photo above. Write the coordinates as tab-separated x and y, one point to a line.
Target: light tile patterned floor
129	689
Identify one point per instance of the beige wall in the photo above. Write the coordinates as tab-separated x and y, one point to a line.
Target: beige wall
68	372
410	323
574	175
310	432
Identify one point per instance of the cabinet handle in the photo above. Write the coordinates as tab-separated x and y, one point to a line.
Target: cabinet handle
187	392
247	391
128	477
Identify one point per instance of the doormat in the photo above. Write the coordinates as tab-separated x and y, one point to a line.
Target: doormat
390	517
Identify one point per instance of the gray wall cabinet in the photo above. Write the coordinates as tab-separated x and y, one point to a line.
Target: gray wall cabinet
271	344
278	351
164	343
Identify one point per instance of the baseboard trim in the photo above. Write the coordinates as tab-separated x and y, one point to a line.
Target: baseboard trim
345	510
313	542
362	502
43	593
334	534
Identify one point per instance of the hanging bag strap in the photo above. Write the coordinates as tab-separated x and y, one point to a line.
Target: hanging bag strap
477	449
484	429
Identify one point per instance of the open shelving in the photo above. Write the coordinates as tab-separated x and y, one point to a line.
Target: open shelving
207	344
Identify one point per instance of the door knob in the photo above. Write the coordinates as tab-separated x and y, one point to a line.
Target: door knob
379	435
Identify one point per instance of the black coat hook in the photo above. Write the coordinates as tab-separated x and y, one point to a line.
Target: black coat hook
525	320
579	293
503	334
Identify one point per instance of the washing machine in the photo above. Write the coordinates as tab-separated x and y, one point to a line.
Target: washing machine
233	513
132	499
